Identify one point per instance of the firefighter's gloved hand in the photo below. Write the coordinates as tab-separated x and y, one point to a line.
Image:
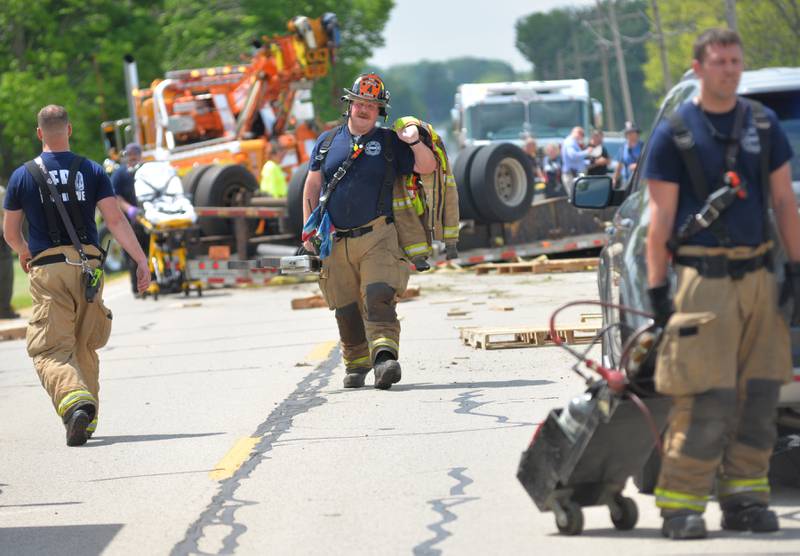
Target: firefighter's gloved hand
791	289
302	251
661	303
451	251
421	264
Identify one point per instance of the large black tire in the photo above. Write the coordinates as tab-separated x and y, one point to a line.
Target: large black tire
222	186
461	168
501	182
192	178
294	200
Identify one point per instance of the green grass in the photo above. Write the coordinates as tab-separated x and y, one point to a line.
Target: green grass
20	298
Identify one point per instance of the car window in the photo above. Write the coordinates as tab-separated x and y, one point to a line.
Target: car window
676	97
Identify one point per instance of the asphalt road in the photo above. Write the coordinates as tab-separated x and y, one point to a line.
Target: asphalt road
224	429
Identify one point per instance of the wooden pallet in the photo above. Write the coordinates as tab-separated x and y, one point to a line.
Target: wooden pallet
13	332
539	266
524	337
318	302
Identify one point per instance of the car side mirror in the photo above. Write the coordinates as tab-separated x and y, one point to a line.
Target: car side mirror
592	192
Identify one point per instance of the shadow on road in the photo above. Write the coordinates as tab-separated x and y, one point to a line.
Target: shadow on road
461	385
87	540
98	441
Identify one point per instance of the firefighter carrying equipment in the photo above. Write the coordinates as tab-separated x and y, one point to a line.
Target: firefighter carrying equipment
730	187
318	228
73	222
426	206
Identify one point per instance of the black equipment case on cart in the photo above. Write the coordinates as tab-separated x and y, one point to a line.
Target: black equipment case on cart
589	464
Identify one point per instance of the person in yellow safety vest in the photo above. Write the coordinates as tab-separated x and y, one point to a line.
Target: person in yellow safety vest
426	206
273	181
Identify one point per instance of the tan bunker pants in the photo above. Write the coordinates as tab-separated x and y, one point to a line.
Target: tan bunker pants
360	281
724	356
65	332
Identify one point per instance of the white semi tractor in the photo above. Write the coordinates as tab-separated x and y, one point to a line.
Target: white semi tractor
494	176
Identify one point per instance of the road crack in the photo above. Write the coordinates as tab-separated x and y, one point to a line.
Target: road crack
442	507
222	509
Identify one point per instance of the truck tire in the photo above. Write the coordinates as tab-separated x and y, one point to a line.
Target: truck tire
501	182
294	199
223	186
192	178
461	168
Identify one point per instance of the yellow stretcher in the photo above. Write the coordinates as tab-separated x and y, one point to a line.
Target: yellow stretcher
166	256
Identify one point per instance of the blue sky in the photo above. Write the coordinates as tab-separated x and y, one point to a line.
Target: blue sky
442	29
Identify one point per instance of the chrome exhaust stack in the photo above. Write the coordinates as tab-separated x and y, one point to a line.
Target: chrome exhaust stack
132	84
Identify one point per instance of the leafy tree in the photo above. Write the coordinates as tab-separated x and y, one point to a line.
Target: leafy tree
70	52
565	44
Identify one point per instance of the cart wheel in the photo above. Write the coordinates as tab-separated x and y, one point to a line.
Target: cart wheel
627	513
199	292
570	521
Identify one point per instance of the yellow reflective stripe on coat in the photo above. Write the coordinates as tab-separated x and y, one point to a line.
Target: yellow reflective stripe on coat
357	363
729	487
450	181
419	206
384	343
451	232
417	249
674	500
76	397
401	203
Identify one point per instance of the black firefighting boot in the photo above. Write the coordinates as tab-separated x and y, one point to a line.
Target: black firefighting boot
387	370
76	420
753	517
684	525
355	377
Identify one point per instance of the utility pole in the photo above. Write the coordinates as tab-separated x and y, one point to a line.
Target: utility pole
730	13
662	48
609	105
623	72
578	64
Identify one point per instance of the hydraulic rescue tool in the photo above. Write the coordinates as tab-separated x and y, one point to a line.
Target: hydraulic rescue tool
582	455
293	264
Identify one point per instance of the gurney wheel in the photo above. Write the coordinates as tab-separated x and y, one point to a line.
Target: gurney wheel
570	519
624	513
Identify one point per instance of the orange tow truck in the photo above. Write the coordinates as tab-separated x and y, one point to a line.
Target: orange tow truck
217	126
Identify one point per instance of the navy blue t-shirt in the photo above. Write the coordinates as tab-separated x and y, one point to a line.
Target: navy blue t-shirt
123	184
744	219
354	202
91	185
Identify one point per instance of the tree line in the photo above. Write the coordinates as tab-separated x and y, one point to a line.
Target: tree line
70	52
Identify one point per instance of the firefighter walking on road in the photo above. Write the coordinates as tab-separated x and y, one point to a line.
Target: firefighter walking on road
716	166
63	257
348	195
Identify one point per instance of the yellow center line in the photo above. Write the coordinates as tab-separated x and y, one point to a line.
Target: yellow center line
240	452
321	351
235	457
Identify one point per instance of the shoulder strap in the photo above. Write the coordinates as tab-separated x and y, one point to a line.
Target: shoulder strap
763	125
389	173
47	202
59	205
684	140
326	145
74	209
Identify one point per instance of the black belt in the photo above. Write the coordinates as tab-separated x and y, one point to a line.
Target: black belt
358	232
720	266
58	258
